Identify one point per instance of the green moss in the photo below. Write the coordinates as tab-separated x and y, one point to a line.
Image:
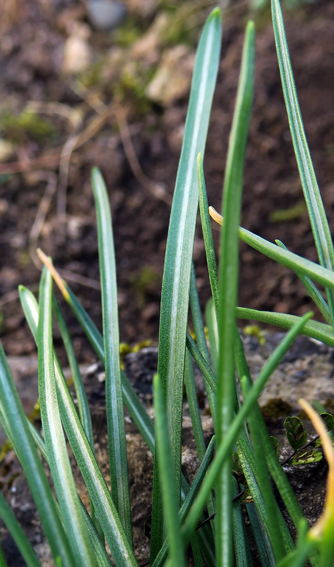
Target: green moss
132	87
92	77
27	124
128	33
276	407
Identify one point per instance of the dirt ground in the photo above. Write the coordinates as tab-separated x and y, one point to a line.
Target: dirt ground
118	127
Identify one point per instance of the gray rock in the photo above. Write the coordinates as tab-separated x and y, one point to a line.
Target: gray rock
105	14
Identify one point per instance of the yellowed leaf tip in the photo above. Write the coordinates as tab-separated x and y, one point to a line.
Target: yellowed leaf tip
327	516
215	216
57	278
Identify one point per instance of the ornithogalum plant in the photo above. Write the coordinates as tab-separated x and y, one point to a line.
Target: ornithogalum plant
78	538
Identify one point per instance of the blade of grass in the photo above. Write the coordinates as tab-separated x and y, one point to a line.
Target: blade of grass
243	443
228	286
28	456
242	552
225	448
261	537
54	436
178	259
133	404
211	322
3	562
100	550
97	488
98	543
79	389
18	534
202	364
162	555
196	419
264	480
290	501
207	233
80	393
190	386
168	488
314	329
285	257
200	336
316	211
312	290
114	401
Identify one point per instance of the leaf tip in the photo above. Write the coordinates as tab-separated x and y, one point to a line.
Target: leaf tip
215	216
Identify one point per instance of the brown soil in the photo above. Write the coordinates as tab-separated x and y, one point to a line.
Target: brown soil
29	61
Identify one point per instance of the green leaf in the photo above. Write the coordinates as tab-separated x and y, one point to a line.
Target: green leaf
240	537
208	375
162	555
274	519
54	436
168	488
320	228
18	534
295	432
312	290
114	401
28	456
211	322
201	343
78	387
328	419
275	444
275	468
224	449
207	234
95	482
261	537
282	256
134	406
3	562
176	280
313	329
228	291
306	456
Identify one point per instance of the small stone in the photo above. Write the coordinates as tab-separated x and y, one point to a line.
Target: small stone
105	14
6	150
77	51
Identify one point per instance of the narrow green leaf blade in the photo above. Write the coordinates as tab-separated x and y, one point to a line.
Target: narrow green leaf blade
168	488
314	329
228	291
207	234
225	448
28	456
54	436
97	488
114	401
18	534
318	219
162	555
80	393
176	281
285	257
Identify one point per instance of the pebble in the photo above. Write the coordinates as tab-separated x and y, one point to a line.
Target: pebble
105	14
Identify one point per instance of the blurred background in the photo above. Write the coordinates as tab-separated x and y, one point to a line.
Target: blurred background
105	83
